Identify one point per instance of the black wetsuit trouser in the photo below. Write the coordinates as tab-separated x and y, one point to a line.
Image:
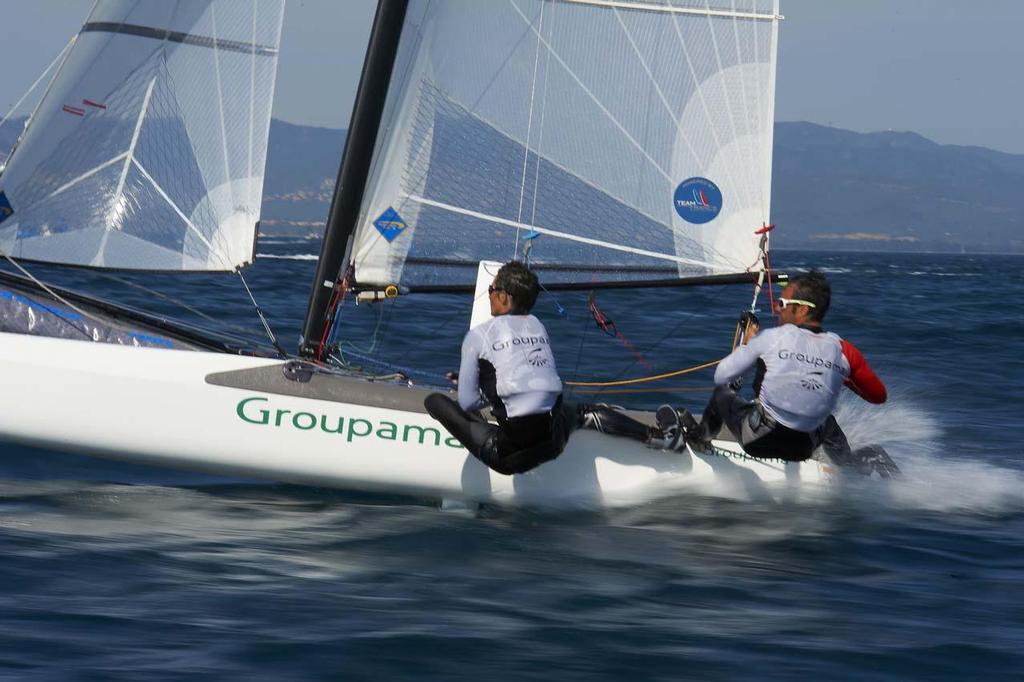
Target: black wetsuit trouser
512	446
762	436
612	421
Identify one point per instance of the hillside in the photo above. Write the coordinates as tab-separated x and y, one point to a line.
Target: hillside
833	189
836	189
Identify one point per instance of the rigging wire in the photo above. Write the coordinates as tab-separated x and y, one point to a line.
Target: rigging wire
184	306
540	139
529	132
608	326
579	350
340	352
263	319
378	330
405	371
683	320
28	92
333	310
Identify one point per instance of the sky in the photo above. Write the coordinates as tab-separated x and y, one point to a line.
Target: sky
948	70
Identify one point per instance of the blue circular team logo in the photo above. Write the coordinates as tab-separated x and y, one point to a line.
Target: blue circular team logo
698	200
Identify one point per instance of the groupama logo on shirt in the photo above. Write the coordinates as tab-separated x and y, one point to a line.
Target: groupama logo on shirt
698	200
814	382
502	344
537	357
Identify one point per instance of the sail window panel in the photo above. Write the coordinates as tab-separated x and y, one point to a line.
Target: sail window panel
597	61
62	229
226	114
142	228
60	146
190	115
484	60
151	231
469	164
577	120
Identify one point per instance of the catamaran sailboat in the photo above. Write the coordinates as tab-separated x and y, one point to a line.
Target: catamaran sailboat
612	144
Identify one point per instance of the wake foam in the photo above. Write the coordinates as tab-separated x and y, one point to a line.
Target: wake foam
934	477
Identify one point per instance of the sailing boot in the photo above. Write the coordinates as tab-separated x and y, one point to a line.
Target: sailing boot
667	435
693	432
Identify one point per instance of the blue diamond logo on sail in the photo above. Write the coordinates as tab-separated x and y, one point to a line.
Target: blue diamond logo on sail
390	224
6	210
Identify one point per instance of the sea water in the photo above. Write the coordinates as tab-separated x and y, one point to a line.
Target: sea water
114	571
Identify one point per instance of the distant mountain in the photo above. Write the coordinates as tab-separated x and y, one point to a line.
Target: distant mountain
836	189
832	189
302	165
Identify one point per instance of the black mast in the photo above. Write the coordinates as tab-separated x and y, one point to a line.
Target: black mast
355	167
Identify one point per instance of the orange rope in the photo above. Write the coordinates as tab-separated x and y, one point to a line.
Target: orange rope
640	380
664	389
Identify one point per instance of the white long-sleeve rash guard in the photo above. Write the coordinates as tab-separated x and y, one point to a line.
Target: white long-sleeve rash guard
804	373
507	361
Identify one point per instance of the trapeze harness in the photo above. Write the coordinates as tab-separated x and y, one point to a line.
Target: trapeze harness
804	370
507	363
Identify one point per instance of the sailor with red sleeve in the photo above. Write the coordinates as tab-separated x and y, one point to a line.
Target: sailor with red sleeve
801	371
862	380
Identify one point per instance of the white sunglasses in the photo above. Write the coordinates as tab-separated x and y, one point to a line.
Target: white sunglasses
783	302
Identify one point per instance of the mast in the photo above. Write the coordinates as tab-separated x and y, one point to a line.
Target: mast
355	166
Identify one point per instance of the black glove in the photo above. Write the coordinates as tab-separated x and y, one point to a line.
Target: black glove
736	384
746	317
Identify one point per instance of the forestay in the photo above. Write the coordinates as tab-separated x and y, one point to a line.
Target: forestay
634	137
148	149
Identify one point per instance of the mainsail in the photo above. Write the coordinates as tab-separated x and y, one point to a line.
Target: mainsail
148	150
622	140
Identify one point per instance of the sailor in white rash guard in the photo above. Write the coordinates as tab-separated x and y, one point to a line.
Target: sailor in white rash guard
507	364
804	373
801	372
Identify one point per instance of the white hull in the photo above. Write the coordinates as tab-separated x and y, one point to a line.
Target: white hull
156	406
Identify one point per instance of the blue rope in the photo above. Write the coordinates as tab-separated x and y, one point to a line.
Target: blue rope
558	306
527	249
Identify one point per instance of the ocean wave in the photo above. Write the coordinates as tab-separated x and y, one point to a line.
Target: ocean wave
296	256
827	270
919	273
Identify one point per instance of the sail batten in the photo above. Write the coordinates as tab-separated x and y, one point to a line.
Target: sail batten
620	133
179	37
555	233
148	149
672	9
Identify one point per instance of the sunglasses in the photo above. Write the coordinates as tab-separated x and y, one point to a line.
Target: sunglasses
783	302
491	289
